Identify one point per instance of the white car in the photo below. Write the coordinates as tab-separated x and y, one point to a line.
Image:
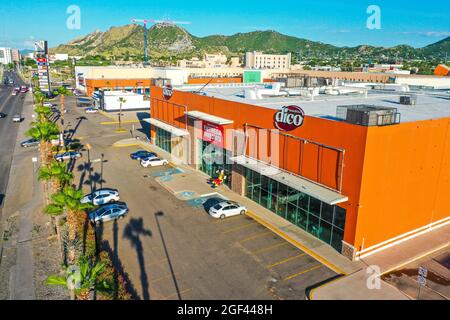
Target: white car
154	162
91	110
17	118
227	209
49	104
101	197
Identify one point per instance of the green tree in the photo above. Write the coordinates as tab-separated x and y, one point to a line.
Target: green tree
43	113
45	132
83	279
57	173
68	200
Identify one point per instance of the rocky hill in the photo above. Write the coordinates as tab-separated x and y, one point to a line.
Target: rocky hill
166	40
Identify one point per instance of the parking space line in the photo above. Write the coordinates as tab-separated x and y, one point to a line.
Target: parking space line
227	220
176	294
240	228
256	236
285	261
162	278
302	272
270	248
297	244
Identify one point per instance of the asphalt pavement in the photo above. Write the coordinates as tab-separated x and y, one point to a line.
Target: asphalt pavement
10	105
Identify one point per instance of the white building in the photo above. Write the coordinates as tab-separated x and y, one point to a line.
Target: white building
109	101
259	60
59	57
6	55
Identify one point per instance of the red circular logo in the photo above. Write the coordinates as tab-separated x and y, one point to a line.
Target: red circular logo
289	118
167	92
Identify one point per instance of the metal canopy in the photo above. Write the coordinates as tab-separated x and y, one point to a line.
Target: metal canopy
209	118
173	130
310	188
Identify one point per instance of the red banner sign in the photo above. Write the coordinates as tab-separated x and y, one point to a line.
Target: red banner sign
213	133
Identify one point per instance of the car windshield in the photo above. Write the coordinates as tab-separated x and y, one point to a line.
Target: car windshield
217	207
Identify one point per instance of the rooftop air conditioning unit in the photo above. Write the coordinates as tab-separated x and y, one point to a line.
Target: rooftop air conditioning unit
368	115
410	100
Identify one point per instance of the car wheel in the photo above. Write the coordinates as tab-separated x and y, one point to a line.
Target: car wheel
222	216
242	212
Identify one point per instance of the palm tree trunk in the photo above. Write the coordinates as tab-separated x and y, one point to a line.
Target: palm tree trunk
72	234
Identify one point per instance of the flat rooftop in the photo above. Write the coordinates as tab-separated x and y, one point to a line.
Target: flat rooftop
432	104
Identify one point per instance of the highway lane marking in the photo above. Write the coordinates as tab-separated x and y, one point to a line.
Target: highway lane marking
302	272
276	264
267	249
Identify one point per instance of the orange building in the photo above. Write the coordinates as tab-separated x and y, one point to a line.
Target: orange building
359	173
442	70
141	86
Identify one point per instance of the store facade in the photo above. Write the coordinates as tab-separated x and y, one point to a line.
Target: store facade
321	175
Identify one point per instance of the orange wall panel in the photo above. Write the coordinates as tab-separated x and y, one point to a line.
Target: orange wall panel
405	182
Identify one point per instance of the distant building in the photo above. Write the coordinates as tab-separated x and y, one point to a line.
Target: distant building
259	60
6	55
208	61
15	55
59	57
442	70
234	62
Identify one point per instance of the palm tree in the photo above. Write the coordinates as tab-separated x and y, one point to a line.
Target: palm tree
68	200
83	279
62	92
45	132
39	97
57	172
42	112
121	102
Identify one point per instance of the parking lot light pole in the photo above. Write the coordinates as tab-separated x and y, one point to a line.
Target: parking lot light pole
89	147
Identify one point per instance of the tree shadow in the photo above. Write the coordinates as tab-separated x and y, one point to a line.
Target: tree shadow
133	231
159	215
75	129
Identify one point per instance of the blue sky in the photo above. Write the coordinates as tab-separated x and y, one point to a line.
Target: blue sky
343	23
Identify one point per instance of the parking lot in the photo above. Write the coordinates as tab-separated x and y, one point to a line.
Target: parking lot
172	249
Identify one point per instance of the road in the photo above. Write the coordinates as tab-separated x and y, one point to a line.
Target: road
10	105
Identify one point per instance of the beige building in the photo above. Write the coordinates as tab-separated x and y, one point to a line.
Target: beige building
259	60
208	61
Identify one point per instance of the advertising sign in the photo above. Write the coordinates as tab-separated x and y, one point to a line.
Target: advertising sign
167	92
289	118
213	133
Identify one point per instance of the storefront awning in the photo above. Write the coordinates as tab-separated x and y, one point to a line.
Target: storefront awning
310	188
210	118
173	130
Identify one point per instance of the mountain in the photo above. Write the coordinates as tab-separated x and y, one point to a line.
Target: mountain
442	46
166	41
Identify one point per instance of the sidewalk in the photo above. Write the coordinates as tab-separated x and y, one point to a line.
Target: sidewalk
193	184
355	286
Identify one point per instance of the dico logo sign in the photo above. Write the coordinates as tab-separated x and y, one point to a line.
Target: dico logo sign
167	92
289	118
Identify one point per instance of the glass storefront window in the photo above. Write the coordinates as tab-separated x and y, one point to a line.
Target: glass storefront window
213	160
164	140
327	212
339	217
324	221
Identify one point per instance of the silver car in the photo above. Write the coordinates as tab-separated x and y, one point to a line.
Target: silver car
109	212
68	156
101	197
